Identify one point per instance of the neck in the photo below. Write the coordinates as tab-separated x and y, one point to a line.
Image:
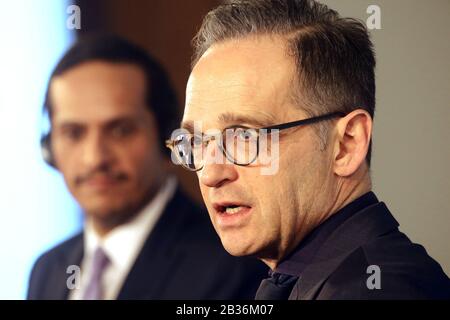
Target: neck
346	190
350	189
103	228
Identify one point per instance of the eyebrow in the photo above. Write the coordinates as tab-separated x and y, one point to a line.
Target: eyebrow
238	119
107	124
120	121
229	119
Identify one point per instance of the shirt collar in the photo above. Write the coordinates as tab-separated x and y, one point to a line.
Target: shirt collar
303	255
123	243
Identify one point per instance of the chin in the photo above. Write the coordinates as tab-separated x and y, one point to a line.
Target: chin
234	251
104	209
101	213
236	247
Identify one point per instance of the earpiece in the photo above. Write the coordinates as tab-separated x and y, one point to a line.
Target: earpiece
46	150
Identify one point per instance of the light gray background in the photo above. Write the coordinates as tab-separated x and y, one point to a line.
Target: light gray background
411	151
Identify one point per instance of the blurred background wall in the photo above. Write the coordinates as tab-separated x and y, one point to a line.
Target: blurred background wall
411	153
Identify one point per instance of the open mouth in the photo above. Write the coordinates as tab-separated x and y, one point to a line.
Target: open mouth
230	209
231	214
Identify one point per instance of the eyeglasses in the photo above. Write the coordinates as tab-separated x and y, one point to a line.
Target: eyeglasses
240	145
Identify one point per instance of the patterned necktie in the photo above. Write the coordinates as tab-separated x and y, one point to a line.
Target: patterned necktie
94	290
277	287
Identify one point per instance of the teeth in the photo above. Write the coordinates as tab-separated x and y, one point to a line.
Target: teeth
233	210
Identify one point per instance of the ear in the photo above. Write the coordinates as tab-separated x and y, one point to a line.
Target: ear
352	142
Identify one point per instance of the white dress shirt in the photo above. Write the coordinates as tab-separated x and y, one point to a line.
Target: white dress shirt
122	245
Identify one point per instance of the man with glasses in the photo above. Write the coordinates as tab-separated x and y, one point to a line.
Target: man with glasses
294	81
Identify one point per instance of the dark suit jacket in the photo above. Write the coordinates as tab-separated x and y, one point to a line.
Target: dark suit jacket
371	237
181	259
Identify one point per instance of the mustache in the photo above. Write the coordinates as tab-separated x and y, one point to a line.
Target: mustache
101	172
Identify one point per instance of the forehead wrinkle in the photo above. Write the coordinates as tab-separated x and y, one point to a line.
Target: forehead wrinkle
220	102
253	117
217	93
205	99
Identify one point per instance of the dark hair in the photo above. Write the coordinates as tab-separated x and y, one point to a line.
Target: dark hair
161	97
334	56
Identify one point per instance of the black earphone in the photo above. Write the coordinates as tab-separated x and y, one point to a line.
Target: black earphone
46	150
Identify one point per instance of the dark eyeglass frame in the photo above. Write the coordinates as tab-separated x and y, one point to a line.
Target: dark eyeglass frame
282	126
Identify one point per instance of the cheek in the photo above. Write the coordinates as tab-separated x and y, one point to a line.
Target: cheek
264	192
140	160
68	165
64	157
277	194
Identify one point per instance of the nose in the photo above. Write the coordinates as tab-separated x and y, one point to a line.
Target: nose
96	152
217	169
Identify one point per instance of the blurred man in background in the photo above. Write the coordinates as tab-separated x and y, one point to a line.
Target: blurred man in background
110	106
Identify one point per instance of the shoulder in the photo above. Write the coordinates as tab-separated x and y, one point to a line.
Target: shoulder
49	260
389	267
59	250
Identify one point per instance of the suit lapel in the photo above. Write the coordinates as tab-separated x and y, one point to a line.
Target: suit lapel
363	226
159	256
58	289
